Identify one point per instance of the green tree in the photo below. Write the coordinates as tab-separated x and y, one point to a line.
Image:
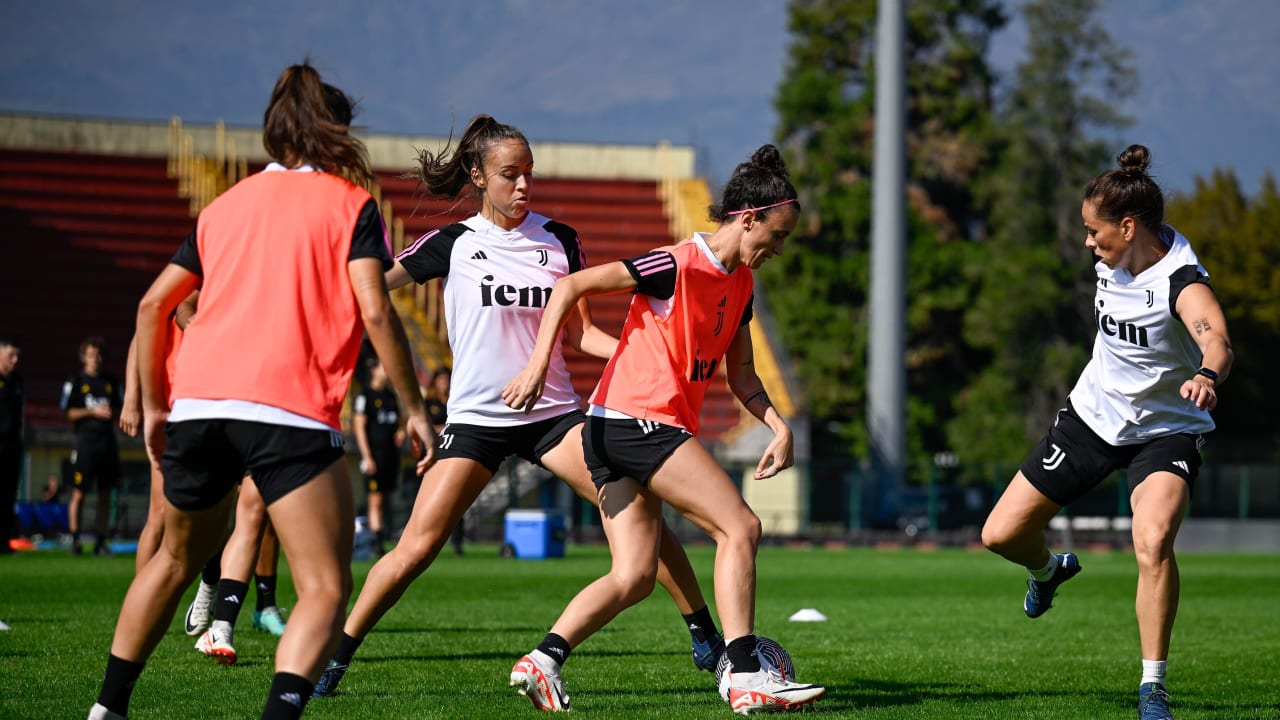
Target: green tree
1032	314
818	288
1238	241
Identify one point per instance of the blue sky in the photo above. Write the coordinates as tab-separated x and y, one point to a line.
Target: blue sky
700	73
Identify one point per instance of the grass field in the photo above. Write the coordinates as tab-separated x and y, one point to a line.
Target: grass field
910	635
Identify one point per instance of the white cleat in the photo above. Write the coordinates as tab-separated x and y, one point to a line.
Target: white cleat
216	643
200	614
100	712
766	692
543	687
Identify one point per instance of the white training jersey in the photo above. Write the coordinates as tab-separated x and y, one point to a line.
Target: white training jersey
496	286
1129	391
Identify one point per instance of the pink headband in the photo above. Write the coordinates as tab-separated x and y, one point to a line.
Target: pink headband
762	207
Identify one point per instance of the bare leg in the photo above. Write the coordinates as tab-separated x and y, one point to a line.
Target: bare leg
241	551
153	529
447	490
675	573
189	539
1158	503
268	552
375	513
315	524
73	510
1015	527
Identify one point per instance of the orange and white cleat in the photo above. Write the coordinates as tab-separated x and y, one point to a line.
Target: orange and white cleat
541	685
217	644
766	692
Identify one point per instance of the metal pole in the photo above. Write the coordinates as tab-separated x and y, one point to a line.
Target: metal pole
886	371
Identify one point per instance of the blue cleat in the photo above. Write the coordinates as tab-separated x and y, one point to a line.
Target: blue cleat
269	620
329	679
707	654
1153	703
1040	594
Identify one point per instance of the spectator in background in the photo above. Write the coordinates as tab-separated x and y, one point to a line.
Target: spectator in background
12	415
376	425
92	399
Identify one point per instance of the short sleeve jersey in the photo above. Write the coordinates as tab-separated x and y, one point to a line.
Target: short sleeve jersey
1129	391
86	392
496	286
382	418
685	315
278	323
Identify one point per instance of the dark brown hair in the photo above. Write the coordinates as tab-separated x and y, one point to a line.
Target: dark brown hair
757	183
446	174
305	123
1128	191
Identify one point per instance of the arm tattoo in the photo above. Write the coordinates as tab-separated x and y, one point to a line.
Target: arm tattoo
1201	326
761	394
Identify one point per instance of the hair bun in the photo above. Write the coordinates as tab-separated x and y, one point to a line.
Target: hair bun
1135	160
768	158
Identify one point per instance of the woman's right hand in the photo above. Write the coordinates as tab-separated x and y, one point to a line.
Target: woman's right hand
131	419
523	391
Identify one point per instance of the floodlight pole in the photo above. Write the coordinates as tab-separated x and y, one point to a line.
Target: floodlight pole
886	369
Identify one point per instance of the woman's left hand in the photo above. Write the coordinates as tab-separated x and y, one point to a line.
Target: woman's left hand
1200	390
777	457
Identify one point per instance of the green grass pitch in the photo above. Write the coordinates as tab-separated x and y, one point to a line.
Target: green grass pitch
910	634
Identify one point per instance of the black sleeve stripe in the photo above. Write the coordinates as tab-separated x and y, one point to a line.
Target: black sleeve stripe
572	243
369	239
1179	280
428	257
655	274
748	312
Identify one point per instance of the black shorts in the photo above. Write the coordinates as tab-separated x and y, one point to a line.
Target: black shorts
1071	460
95	467
387	475
489	445
618	448
206	458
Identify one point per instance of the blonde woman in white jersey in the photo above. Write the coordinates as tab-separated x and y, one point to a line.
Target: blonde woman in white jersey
1142	403
499	266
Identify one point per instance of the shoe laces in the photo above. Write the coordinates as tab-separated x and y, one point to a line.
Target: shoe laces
1157	696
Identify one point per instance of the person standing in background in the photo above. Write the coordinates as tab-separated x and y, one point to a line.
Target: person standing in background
92	399
12	416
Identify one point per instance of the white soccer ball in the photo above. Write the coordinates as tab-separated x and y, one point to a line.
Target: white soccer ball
773	659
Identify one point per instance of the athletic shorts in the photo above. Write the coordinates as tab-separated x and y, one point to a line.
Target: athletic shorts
388	474
1071	460
490	445
206	458
95	467
617	448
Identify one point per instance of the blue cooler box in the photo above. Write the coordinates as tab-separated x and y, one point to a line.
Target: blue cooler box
535	534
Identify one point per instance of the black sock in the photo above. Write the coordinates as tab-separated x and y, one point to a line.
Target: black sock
212	571
288	695
347	647
266	585
231	595
700	624
555	647
742	654
117	684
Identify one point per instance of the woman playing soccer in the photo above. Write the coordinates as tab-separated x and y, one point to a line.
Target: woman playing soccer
499	267
290	263
691	310
1142	403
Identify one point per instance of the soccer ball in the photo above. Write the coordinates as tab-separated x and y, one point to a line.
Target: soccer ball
773	659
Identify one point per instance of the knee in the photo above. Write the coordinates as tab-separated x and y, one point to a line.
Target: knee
635	585
1152	544
746	529
994	537
414	554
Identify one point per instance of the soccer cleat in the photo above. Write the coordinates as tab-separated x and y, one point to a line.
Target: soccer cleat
269	620
200	614
329	679
100	712
544	688
217	645
764	691
706	654
76	548
1153	703
1040	594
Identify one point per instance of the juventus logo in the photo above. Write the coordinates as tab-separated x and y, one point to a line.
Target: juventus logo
542	256
1055	458
446	440
720	315
1151	298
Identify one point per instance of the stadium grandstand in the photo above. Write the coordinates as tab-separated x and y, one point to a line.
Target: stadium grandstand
91	211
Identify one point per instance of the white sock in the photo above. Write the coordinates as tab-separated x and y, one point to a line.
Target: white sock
546	661
1153	671
1047	571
